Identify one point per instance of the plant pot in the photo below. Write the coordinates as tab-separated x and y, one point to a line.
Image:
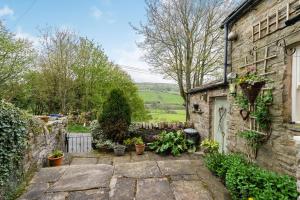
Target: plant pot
252	91
44	118
54	162
119	150
139	149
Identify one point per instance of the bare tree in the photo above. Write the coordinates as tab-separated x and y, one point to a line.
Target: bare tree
183	41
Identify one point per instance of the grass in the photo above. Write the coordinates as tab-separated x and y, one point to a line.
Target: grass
78	128
164	116
162	97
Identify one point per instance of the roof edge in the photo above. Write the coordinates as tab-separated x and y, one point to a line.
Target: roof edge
208	87
240	10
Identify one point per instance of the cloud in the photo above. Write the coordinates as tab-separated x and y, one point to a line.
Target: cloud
131	61
107	16
6	11
20	34
96	12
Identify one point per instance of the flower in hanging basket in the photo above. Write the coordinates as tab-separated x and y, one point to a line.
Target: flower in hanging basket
251	84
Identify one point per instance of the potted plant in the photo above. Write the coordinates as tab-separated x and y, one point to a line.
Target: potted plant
45	118
251	84
119	150
139	145
56	158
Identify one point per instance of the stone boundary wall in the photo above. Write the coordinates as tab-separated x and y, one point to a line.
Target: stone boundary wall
297	144
40	144
162	125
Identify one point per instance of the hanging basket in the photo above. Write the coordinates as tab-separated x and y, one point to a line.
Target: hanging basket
251	91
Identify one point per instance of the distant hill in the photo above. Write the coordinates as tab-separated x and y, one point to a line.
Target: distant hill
163	101
158	87
160	95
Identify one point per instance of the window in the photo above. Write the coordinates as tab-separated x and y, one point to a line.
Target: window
296	86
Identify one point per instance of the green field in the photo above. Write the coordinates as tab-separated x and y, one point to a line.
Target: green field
163	102
161	97
164	116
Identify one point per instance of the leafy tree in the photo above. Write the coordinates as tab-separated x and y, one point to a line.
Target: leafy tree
15	59
116	116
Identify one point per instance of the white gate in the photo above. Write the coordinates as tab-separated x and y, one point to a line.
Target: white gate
220	113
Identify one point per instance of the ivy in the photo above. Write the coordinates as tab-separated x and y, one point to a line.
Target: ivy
261	113
13	142
252	137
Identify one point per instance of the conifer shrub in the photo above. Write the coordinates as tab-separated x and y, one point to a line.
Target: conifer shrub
116	116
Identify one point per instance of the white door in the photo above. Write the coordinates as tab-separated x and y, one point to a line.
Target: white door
296	86
221	107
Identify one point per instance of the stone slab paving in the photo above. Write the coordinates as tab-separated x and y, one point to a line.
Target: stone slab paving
149	177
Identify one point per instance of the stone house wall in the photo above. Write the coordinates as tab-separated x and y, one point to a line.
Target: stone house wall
278	153
49	137
203	120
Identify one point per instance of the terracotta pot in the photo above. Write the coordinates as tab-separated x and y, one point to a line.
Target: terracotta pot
252	91
139	149
54	162
44	118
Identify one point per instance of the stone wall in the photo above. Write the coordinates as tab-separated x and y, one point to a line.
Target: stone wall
278	153
203	119
43	140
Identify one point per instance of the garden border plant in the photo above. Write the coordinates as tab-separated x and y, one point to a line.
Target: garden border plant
173	143
245	180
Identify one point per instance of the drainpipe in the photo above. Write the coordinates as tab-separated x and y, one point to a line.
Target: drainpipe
226	53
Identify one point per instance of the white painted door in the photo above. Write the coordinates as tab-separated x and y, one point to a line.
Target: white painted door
220	113
296	86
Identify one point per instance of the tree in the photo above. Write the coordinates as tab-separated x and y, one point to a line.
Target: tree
182	40
15	57
116	116
57	57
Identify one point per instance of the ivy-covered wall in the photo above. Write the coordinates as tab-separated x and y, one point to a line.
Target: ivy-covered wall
25	142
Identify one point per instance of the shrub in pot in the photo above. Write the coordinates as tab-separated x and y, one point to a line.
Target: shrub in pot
139	145
56	158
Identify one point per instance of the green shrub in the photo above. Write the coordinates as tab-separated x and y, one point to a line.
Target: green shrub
172	142
116	116
13	141
245	180
220	163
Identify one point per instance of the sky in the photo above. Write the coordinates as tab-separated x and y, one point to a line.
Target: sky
104	21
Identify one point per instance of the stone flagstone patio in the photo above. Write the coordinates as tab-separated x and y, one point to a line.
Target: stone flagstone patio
146	177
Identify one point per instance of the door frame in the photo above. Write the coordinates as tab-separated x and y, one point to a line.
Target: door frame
212	125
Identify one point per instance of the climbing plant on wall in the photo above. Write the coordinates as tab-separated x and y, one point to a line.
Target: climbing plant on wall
256	107
13	140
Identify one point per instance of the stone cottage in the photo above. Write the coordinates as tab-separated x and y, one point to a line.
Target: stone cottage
264	35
